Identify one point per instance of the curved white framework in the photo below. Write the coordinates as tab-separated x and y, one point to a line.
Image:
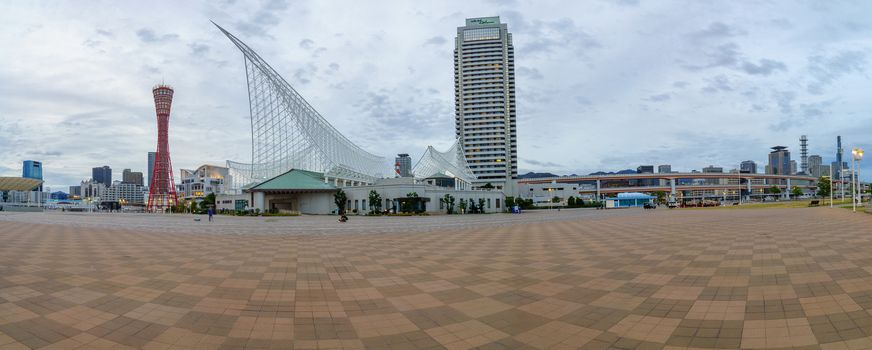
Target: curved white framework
451	163
288	133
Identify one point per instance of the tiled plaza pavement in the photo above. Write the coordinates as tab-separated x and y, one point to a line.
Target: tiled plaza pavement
777	278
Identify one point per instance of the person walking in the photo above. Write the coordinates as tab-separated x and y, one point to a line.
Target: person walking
210	214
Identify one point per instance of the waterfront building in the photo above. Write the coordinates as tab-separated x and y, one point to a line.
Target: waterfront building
32	169
102	175
125	193
403	165
814	165
779	161
132	177
75	191
713	169
664	169
748	167
484	83
92	189
793	167
645	169
196	184
151	157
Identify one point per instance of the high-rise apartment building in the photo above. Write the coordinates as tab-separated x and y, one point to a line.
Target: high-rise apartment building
131	177
748	167
779	161
403	165
839	165
484	95
792	167
814	166
102	175
645	169
151	156
32	170
664	169
713	169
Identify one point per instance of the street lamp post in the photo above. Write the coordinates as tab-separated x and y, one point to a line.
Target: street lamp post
855	175
831	187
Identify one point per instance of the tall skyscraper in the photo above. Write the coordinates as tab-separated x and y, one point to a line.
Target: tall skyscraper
803	153
779	161
484	93
792	167
403	165
32	169
838	165
102	175
131	177
814	166
151	156
748	167
162	191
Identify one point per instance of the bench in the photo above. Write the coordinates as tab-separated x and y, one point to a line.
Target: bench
814	203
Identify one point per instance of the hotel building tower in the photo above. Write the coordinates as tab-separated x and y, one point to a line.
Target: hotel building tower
484	100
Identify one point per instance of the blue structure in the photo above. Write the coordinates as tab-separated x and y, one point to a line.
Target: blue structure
32	169
629	200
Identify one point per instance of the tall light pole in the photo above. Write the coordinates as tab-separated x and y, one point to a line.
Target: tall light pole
857	154
831	187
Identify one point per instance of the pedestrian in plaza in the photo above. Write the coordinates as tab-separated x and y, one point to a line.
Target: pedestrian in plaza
210	214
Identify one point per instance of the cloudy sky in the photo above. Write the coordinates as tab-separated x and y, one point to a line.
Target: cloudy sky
601	85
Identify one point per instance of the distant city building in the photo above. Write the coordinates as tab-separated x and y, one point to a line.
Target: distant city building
803	154
713	169
825	170
59	195
403	165
196	184
125	193
102	175
748	167
131	177
484	83
151	156
779	161
839	164
793	167
645	169
75	191
92	189
664	169
814	165
32	169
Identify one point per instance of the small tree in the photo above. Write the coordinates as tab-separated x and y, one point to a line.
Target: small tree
796	191
462	205
488	186
448	200
824	186
774	190
555	199
570	202
340	199
661	197
208	201
481	205
375	201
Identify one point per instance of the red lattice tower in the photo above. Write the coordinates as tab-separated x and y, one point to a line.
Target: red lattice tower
162	190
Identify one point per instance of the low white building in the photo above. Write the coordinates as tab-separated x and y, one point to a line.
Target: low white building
311	193
196	184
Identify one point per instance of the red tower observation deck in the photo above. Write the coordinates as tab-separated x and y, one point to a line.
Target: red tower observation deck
162	190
